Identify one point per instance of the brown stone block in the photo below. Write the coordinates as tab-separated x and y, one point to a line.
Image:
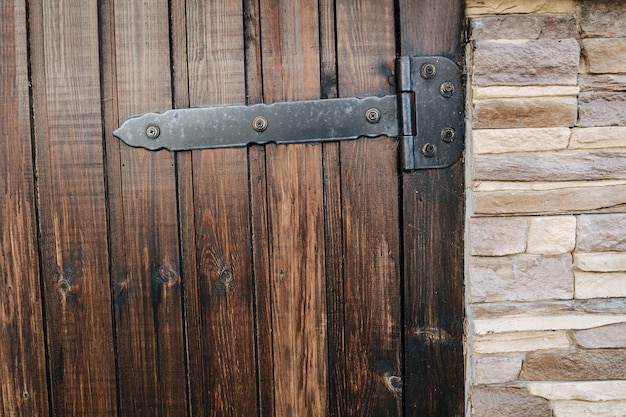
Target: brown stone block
523	27
525	112
528	62
602	82
603	18
555	201
605	55
602	109
551	166
575	365
507	401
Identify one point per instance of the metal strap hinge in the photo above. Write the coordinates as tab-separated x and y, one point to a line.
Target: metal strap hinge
426	115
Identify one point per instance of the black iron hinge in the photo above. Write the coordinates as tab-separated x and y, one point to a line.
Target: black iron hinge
426	115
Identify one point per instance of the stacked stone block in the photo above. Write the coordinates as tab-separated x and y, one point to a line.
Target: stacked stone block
546	233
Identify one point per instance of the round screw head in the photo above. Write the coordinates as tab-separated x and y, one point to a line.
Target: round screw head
429	150
428	71
259	123
446	89
153	131
448	134
372	115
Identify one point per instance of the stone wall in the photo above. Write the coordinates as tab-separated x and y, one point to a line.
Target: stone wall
546	232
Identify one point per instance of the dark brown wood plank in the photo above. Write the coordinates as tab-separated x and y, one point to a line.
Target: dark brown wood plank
71	196
220	295
144	227
370	365
433	207
23	385
262	281
295	224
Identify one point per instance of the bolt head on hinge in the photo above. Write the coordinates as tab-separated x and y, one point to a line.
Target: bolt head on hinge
259	124
372	115
428	71
153	131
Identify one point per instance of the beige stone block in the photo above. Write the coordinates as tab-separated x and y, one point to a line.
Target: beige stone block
605	337
480	7
496	369
598	138
599	285
602	18
605	55
601	232
496	141
602	109
491	279
583	391
521	278
498	236
589	409
525	112
552	166
520	342
573	321
575	365
555	198
600	261
503	91
523	27
546	62
551	235
506	401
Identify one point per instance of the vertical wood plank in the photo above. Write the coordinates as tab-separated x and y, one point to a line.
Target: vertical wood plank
69	159
220	296
23	385
259	217
144	230
370	363
291	65
433	207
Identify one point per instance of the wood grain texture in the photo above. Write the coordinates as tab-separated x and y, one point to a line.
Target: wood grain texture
220	298
433	216
295	223
72	212
23	384
144	230
371	363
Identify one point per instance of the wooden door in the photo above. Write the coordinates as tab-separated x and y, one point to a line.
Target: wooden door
288	280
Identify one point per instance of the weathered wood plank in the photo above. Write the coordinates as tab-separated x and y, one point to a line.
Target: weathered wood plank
23	385
71	196
290	57
259	216
144	232
433	206
370	365
220	298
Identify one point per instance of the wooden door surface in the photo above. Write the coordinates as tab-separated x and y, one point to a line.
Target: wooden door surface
287	280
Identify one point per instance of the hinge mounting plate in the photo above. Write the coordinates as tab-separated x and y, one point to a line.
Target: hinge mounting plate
426	114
